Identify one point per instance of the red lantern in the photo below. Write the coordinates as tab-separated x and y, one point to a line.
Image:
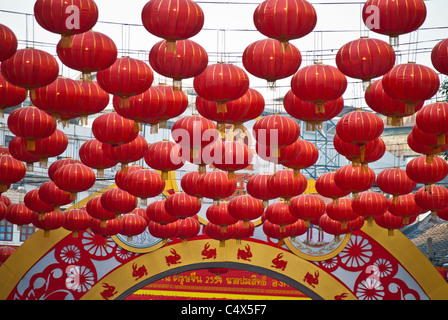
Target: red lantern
164	156
232	156
58	164
243	230
113	129
432	200
49	147
245	208
307	207
221	83
127	77
390	222
404	206
342	211
308	156
326	187
92	155
276	131
319	84
172	21
411	83
188	60
5	253
217	232
163	231
433	119
5	200
286	19
96	210
427	173
394	18
287	184
142	213
94	100
90	52
118	201
66	17
128	152
74	178
370	205
281	155
157	213
76	220
306	111
144	183
9	43
133	225
379	101
48	221
60	99
218	214
3	210
30	124
18	150
51	194
10	95
354	178
121	175
189	184
30	69
34	202
365	59
107	228
279	214
373	150
258	187
439	57
19	214
182	205
11	171
216	185
414	142
177	101
188	228
269	59
278	232
194	132
395	181
333	227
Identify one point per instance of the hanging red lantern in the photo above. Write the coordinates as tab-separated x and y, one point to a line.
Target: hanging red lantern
379	101
58	164
107	228
3	210
121	175
220	83
76	220
17	148
188	228
411	83
96	210
172	21
113	129
51	194
19	214
394	18
164	156
404	206
91	51
187	60
217	232
365	59
269	59
133	225
182	205
144	184
432	119
373	150
143	108
243	230
128	152
118	201
11	171
432	200
354	179
30	124
287	184
426	143
189	184
276	131
218	214
30	69
5	200
281	155
390	222
216	185
370	205
93	100
92	155
163	231
279	214
232	156
306	111
127	77
74	178
10	95
177	102
307	207
342	211
157	213
395	181
49	147
326	187
258	187
319	84
60	99
439	57
66	17
48	221
286	19
278	232
142	213
307	157
34	202
427	173
245	208
9	43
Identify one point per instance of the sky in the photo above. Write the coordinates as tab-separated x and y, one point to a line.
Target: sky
229	29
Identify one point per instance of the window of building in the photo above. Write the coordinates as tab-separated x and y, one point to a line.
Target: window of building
6	230
26	232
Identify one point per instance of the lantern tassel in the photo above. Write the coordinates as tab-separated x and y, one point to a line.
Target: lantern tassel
177	85
163	124
164	175
441	140
155	128
319	107
221	107
30	145
410	108
171	46
66	42
124	102
100	173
